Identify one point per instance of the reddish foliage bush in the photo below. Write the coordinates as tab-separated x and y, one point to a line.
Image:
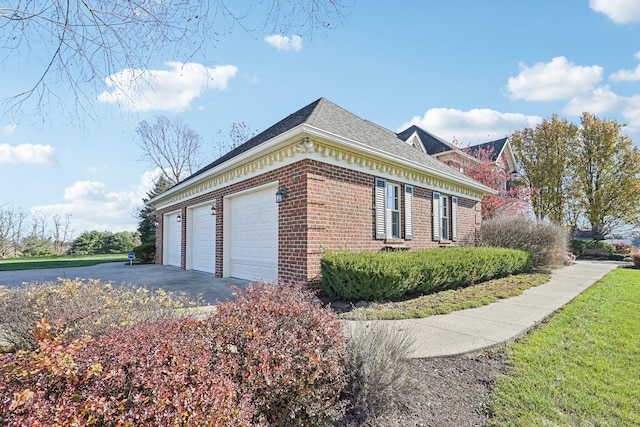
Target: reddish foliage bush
153	374
284	349
624	248
272	357
636	259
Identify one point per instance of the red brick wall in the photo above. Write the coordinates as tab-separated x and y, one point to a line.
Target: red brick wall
326	208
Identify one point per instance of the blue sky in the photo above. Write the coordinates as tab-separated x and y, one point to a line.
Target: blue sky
465	70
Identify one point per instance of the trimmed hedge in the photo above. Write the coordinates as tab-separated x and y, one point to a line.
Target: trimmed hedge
146	252
382	275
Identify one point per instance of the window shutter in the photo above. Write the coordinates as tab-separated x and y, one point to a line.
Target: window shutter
408	212
454	218
436	216
380	192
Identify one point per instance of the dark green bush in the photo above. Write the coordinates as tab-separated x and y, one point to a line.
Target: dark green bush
382	275
145	252
577	246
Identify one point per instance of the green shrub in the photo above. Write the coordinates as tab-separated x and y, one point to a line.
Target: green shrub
382	275
84	308
146	252
577	246
546	242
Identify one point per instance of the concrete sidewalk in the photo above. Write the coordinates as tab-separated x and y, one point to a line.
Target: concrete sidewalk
477	329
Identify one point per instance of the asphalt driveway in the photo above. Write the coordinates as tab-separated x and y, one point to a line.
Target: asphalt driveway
152	276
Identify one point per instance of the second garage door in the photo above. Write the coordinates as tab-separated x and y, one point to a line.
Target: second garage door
172	239
202	247
253	235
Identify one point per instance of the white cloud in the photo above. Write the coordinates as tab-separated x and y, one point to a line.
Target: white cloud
473	126
165	90
93	207
35	154
281	42
600	100
10	128
555	80
619	11
627	75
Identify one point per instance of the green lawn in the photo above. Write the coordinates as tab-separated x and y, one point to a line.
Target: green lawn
448	301
582	368
59	262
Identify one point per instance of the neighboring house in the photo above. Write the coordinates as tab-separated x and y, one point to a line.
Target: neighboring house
320	179
498	152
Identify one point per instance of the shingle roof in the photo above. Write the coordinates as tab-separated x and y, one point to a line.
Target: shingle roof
493	147
431	143
327	116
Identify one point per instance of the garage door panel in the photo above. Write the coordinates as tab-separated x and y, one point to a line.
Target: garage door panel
203	240
254	236
172	240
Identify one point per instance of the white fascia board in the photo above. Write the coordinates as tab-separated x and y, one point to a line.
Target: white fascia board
231	163
401	160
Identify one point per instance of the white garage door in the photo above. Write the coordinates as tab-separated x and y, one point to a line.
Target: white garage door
254	236
172	239
203	240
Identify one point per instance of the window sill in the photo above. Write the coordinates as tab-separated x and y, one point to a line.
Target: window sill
395	245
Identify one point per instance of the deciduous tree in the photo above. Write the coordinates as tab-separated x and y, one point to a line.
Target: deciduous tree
480	164
608	174
544	153
171	146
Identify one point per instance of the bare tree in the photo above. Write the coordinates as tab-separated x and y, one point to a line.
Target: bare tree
239	133
75	44
61	232
171	146
12	228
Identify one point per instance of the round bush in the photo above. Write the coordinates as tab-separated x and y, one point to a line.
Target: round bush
284	349
546	242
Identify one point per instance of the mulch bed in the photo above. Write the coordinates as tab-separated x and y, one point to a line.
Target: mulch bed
458	389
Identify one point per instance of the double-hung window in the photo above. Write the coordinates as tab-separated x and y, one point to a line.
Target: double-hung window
391	209
392	214
445	217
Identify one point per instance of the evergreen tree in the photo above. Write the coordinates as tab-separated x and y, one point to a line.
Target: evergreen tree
147	215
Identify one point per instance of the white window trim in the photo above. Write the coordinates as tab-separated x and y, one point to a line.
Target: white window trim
390	211
444	215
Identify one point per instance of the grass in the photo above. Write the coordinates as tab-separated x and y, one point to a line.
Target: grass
582	368
70	261
448	301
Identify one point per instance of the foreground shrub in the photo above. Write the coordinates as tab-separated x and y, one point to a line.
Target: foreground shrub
84	308
382	382
382	275
285	350
546	242
151	374
273	357
145	253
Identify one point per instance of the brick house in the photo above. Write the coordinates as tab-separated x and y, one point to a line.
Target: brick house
499	152
320	179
